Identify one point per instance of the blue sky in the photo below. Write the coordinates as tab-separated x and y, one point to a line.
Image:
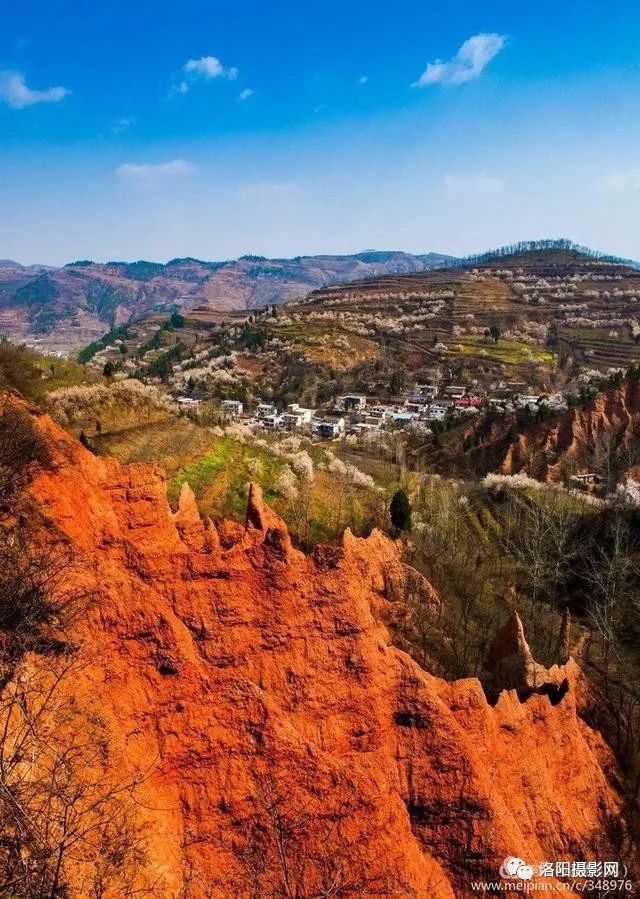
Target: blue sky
212	129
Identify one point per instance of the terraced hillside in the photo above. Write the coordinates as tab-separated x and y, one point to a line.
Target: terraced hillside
587	310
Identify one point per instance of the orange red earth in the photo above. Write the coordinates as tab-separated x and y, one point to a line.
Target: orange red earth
234	675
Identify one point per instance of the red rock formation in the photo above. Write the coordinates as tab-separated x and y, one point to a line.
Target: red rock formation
224	668
577	434
510	665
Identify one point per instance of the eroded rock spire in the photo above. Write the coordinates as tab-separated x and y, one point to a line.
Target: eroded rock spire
255	508
509	665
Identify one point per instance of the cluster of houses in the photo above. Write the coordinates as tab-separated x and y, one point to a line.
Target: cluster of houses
294	417
358	414
425	404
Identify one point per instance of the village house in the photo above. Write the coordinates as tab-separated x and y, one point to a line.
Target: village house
329	428
305	415
455	391
264	410
187	402
368	428
436	412
424	392
272	422
377	415
352	403
296	417
232	408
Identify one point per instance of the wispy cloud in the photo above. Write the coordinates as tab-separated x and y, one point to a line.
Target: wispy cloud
467	64
619	182
473	184
121	124
363	79
15	92
148	174
206	68
246	93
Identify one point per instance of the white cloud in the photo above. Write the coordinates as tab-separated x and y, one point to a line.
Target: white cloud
473	184
152	173
467	64
619	182
363	79
246	93
15	92
205	68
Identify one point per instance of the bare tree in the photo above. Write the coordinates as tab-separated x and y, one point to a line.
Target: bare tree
611	455
21	446
608	573
284	847
538	532
63	813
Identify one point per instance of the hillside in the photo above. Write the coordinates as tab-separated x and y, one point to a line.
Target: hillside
247	723
583	308
527	334
600	436
597	435
64	308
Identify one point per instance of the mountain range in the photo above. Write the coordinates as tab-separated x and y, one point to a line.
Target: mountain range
68	306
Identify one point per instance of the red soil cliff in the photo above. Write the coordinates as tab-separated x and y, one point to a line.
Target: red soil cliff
583	435
227	666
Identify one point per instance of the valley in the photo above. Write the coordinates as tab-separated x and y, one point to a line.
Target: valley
422	489
218	660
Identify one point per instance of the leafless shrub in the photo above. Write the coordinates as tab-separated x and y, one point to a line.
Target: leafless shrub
21	446
41	595
61	815
291	848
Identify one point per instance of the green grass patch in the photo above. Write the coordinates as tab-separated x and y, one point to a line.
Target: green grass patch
200	474
509	352
219	479
590	334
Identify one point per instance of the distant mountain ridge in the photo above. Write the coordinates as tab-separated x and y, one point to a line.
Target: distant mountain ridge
17	266
65	308
71	305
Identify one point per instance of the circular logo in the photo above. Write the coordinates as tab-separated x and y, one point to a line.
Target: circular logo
515	868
